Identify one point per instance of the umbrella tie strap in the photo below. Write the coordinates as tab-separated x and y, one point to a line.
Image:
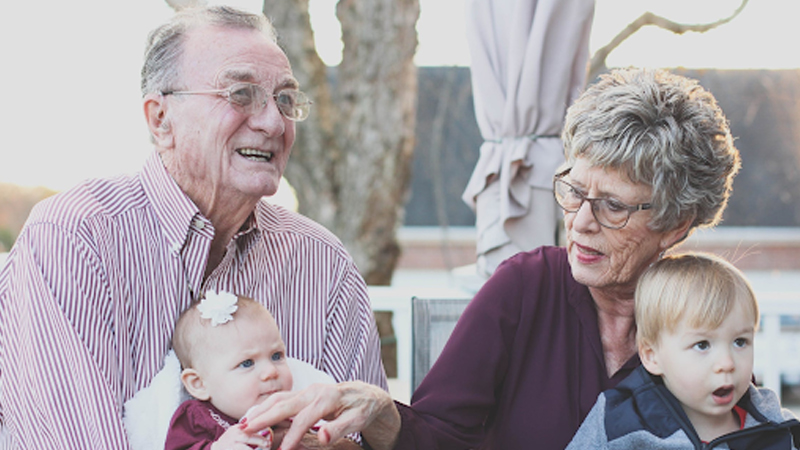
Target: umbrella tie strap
532	137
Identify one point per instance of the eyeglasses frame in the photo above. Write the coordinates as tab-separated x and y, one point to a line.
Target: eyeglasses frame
592	201
226	94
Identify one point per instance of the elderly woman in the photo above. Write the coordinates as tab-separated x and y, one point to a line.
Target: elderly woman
649	158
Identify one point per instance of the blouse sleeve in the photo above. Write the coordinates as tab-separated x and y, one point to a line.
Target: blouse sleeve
452	403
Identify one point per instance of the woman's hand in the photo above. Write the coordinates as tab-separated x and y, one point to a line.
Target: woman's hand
347	408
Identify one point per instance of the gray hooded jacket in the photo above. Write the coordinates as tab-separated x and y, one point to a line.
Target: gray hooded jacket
640	413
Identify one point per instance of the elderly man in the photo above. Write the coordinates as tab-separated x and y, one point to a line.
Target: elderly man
91	291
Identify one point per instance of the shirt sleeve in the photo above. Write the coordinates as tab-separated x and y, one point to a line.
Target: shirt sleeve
54	391
353	345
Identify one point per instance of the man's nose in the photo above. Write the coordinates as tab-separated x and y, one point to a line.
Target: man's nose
268	119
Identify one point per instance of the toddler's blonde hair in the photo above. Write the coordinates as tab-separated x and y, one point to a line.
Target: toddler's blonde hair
701	288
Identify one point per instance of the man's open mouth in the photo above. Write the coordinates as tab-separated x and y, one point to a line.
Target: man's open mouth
255	155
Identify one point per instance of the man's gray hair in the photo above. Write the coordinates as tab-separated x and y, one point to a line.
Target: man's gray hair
661	130
160	70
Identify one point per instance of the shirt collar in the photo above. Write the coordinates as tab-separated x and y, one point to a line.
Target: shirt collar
176	211
173	208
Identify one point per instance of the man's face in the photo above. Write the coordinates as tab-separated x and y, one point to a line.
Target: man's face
219	152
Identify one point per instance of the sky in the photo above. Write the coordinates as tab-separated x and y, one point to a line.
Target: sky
72	106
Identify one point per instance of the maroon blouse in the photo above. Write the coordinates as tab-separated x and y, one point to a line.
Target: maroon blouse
522	368
196	425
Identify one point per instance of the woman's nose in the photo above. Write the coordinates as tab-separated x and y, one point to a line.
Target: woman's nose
584	219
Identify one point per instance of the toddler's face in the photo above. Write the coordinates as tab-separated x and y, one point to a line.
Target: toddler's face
708	370
244	363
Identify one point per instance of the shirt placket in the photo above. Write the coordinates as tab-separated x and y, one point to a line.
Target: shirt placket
194	255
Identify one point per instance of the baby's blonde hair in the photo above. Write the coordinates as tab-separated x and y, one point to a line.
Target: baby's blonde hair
191	329
700	288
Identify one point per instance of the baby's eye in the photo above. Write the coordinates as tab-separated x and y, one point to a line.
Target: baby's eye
740	342
277	356
702	345
246	363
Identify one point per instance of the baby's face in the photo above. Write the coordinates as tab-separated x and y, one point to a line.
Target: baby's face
708	370
244	363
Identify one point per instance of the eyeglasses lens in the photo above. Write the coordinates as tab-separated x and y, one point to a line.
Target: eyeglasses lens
293	104
251	98
606	212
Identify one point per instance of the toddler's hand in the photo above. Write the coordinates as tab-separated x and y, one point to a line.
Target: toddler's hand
235	438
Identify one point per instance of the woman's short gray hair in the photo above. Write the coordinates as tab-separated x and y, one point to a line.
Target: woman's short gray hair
160	70
662	130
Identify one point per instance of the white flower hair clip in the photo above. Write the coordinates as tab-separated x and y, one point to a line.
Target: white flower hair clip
219	307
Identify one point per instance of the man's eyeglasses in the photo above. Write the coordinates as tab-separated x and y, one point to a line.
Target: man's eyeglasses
251	98
608	212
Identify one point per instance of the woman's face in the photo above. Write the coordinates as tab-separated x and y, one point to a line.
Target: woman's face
601	257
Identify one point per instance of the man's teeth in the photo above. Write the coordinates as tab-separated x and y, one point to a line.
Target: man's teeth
255	155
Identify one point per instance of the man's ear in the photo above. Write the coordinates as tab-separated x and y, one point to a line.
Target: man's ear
194	384
155	113
649	357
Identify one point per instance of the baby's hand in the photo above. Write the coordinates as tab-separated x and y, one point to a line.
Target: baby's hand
235	438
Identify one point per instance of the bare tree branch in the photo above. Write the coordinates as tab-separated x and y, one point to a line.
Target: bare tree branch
598	62
178	5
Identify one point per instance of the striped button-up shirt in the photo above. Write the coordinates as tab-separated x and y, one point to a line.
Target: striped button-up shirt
91	290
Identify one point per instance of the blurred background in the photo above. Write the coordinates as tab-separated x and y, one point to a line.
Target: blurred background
72	110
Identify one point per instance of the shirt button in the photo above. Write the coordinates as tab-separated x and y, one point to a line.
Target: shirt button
199	224
176	248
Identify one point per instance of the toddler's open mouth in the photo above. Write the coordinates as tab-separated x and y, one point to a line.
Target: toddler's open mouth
723	395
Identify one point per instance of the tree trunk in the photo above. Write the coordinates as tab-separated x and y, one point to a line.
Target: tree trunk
351	161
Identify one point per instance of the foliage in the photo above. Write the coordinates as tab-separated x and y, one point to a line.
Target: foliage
16	203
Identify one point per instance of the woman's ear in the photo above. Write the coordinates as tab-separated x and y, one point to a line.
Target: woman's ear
649	357
194	384
676	235
155	113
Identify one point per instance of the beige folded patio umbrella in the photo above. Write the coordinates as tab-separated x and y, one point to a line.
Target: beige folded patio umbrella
528	65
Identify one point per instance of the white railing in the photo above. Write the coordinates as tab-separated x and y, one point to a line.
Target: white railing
777	354
777	348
